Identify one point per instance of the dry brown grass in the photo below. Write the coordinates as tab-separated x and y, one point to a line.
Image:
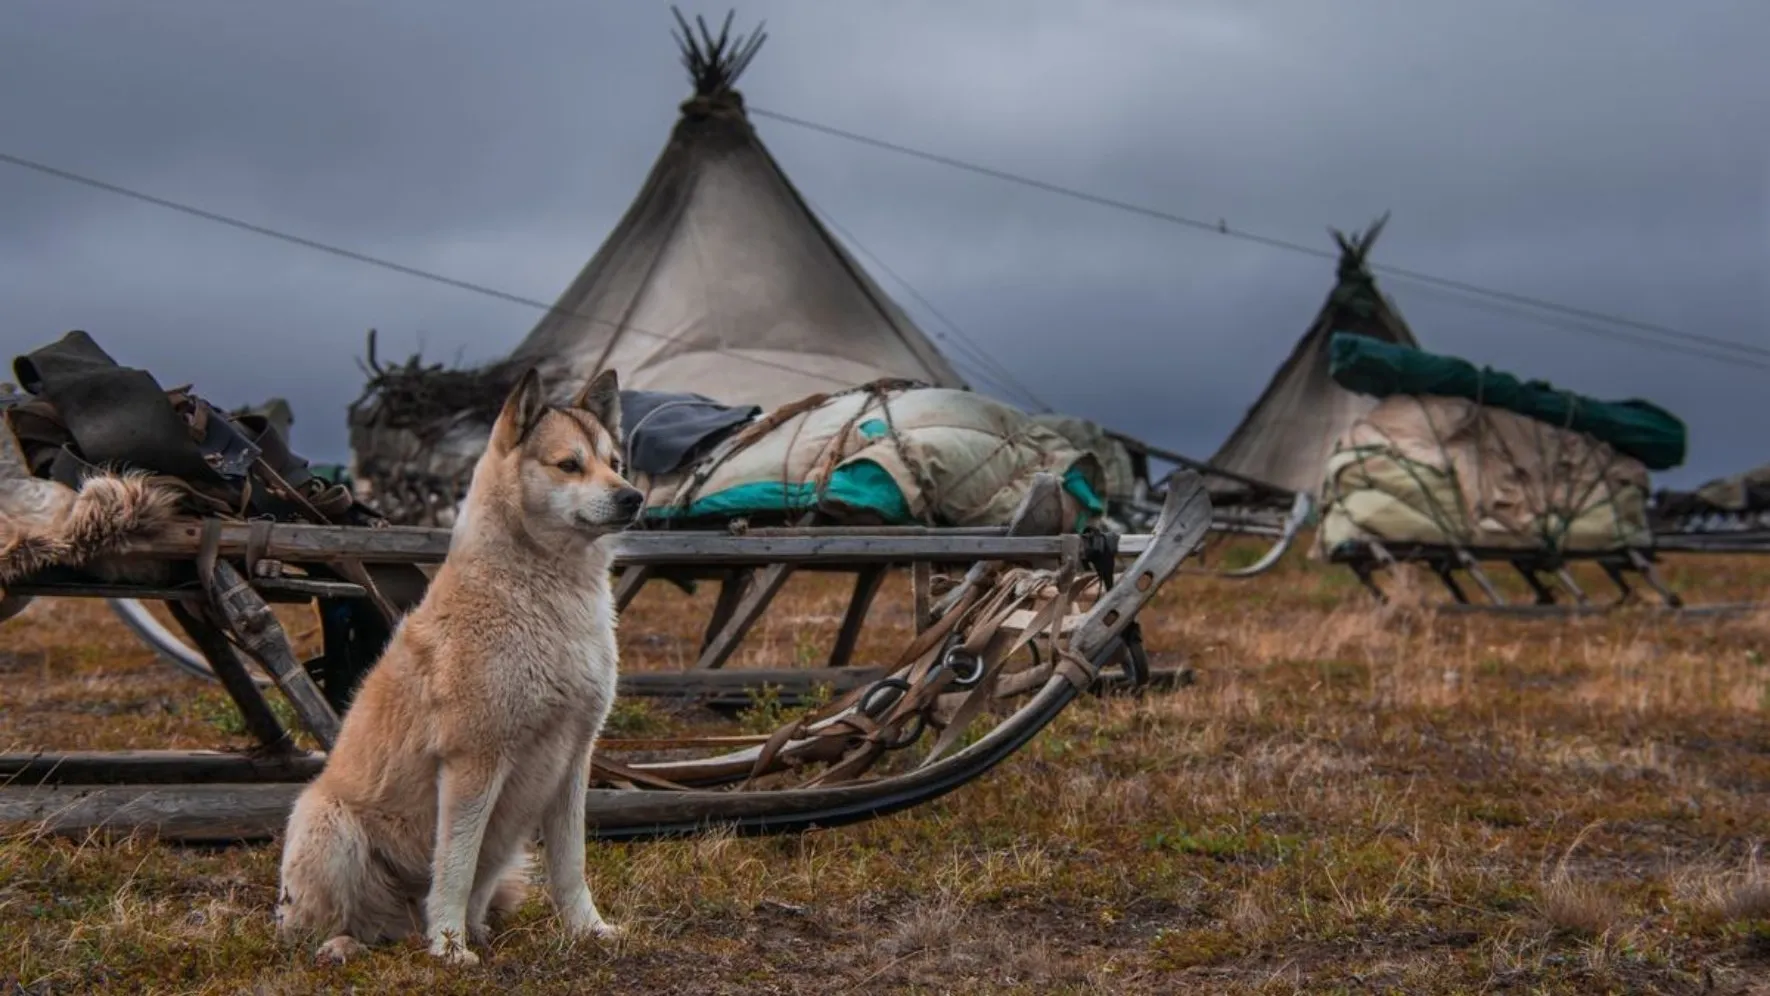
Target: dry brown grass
1350	799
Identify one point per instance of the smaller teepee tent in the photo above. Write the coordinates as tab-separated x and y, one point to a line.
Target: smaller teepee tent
1287	434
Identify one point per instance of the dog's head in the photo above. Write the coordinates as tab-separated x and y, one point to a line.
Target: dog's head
562	465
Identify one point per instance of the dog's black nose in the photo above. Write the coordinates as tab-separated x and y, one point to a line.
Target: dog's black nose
629	501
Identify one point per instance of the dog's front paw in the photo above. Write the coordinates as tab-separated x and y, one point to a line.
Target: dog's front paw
599	929
450	949
338	950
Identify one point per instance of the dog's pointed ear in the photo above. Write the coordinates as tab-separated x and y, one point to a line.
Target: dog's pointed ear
522	409
601	397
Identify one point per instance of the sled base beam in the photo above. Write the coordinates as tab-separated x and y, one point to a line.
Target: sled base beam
1367	558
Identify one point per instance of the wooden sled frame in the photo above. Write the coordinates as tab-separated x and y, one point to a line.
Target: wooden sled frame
1544	572
746	592
1744	540
1257	508
219	796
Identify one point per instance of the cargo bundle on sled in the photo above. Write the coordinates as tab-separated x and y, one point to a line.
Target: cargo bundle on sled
1456	467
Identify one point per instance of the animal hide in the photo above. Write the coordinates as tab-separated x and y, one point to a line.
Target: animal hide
46	524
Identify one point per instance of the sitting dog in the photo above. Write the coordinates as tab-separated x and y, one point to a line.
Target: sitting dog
474	729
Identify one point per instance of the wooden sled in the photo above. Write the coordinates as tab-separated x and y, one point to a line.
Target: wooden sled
1242	507
1731	515
746	592
906	729
1554	590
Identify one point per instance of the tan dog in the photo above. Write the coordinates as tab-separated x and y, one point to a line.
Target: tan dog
474	729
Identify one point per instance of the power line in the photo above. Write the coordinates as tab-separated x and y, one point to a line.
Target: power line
1574	325
1003	376
1222	228
355	256
385	264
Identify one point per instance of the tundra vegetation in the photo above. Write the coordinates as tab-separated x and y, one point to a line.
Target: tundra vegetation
1349	798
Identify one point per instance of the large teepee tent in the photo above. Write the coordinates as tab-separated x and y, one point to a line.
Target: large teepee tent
719	280
1286	436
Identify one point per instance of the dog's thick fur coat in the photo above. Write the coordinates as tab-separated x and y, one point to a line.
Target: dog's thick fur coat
475	727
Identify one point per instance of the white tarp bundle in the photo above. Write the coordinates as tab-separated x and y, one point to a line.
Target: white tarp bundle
892	455
1448	471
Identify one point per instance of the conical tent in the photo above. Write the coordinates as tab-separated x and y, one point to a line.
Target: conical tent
1287	434
719	280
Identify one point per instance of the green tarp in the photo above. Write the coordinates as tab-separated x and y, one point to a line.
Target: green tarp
1634	427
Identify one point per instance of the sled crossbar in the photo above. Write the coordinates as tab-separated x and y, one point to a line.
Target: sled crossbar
416	545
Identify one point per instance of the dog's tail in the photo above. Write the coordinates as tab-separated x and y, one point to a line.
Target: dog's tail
332	882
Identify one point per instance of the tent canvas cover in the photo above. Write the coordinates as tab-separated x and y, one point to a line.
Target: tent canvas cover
1286	436
719	280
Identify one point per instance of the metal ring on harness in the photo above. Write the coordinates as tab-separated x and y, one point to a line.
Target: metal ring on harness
965	664
868	707
918	726
866	704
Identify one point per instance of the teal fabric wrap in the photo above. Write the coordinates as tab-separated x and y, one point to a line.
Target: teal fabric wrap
861	485
1637	428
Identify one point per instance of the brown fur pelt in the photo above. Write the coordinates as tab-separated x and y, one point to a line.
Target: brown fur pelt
46	524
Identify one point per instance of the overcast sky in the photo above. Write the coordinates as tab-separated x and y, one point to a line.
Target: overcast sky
1611	155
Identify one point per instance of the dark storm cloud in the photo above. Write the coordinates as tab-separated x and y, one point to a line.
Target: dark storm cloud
1613	156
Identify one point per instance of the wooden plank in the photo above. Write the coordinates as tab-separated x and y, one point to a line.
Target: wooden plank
1362	569
99	589
258	629
758	593
1734	541
216	813
922	594
632	580
1644	567
299	543
867	582
155	767
1544	596
1473	566
1446	574
732	586
1614	572
260	721
1563	575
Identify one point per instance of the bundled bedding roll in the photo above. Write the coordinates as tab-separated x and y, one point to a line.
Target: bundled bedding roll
890	453
1448	471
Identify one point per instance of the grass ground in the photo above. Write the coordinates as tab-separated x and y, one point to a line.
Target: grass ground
1349	799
